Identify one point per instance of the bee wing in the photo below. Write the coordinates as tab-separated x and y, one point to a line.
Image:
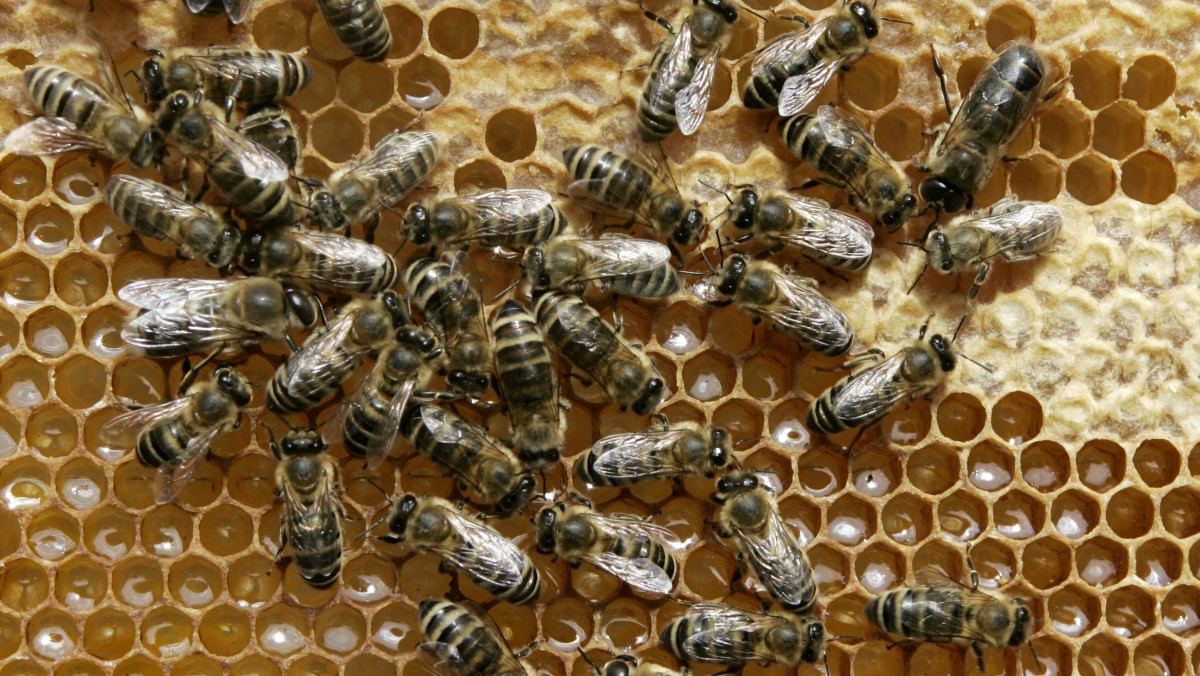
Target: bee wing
674	61
828	230
442	658
173	477
805	313
376	456
707	289
798	90
157	198
727	638
336	260
49	136
398	149
122	431
816	211
638	455
256	161
500	211
171	294
196	6
873	391
321	359
776	558
944	598
844	138
1011	229
642	574
692	103
172	321
626	525
486	553
335	427
237	10
231	64
619	256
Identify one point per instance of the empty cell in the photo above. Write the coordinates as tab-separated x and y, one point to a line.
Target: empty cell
24	281
424	83
1045	563
1120	130
365	87
1009	22
341	629
225	530
1091	179
879	568
251	480
1019	516
740	418
387	121
1073	611
709	376
1157	462
624	624
818	373
1150	81
1017	417
899	133
877	657
960	416
846	615
24	585
407	29
108	634
1130	513
225	630
1180	511
709	571
1148	177
478	176
821	471
907	519
1096	79
934	469
732	330
1159	562
48	229
1064	130
876	472
1129	611
319	91
454	32
1100	464
22	178
511	134
252	580
1039	177
194	582
323	42
989	466
967	72
1160	654
850	521
337	134
80	280
1075	514
279	27
1102	562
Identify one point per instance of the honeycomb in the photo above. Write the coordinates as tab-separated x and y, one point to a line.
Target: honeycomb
1064	467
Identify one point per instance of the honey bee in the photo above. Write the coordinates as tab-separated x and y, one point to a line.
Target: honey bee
174	437
791	70
711	632
830	237
491	560
660	452
681	73
617	182
628	376
228	74
1015	231
356	193
468	454
872	390
750	516
629	547
452	306
527	380
181	316
360	26
491	218
158	212
325	263
272	128
789	302
850	160
252	177
945	609
462	644
80	115
371	416
310	484
327	358
998	106
237	10
628	665
615	263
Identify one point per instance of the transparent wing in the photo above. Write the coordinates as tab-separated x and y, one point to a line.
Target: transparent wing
502	213
183	314
484	552
49	136
173	294
673	64
238	10
800	90
378	453
872	392
325	358
398	149
619	256
942	603
322	503
638	455
173	477
455	430
256	161
692	103
580	331
641	574
1027	228
442	658
707	289
805	314
196	6
624	525
158	198
819	212
829	230
728	637
335	260
777	559
847	138
232	64
122	431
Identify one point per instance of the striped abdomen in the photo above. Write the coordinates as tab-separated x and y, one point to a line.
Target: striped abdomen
674	637
654	283
265	75
656	109
436	290
467	458
61	93
822	417
360	26
479	647
271	202
638	548
577	331
529	384
307	389
533	227
129	198
366	427
804	136
525	590
165	442
908	612
765	84
612	180
315	537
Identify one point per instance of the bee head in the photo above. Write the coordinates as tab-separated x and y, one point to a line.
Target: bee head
860	11
650	397
464	381
726	11
394	305
172	109
149	149
733	482
519	497
535	267
618	667
892	220
300	443
719	455
815	647
153	85
731	274
302	306
423	340
250	257
941	347
691	229
227	246
1022	624
416	224
938	251
325	212
398	520
234	384
543	525
940	195
741	211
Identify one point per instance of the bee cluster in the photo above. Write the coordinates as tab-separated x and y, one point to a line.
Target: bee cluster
405	363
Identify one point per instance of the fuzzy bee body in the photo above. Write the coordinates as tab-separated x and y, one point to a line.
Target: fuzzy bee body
529	384
664	452
360	26
316	261
159	212
488	219
309	483
614	263
452	306
465	645
722	634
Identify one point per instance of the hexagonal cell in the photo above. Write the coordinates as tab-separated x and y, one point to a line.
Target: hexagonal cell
108	634
52	534
24	585
1039	177
1130	513
80	280
199	665
933	469
907	519
137	582
740	418
50	332
78	181
876	472
340	629
962	516
1157	462
80	584
282	630
22	178
1150	81
81	483
989	466
364	86
10	333
802	516
320	89
960	416
880	567
624	624
1120	130
139	381
821	471
48	229
1073	611
873	82
109	532
680	328
194	582
286	34
850	520
566	623
1159	654
1148	177
1017	417
1101	562
1181	512
708	571
337	134
1009	22
1018	515
906	425
454	32
479	175
1101	464
786	425
252	580
1075	514
423	83
1091	179
732	330
225	530
52	634
24	280
52	431
8	228
1129	611
1045	563
1096	79
24	383
900	133
1064	130
407	29
1180	609
1158	562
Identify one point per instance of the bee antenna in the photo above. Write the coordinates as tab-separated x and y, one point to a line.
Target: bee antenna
1035	656
981	365
587	659
378	488
918	279
748	440
760	16
893	20
704	256
715	189
914	245
924	327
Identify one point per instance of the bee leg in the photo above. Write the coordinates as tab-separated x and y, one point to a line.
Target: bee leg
941	75
369	228
903	642
978	650
190	372
971	569
849	450
231	100
795	17
656	18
